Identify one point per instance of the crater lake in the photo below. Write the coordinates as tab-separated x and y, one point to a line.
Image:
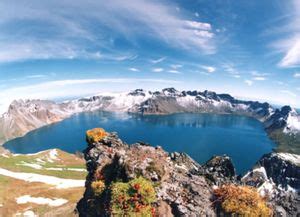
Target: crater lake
199	135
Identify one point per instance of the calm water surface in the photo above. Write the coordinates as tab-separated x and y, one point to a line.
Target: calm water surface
199	135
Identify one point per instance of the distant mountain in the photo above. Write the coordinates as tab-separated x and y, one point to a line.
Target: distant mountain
24	116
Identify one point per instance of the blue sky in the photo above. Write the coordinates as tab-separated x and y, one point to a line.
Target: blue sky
62	48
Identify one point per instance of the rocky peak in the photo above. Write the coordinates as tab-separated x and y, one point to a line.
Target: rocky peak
171	91
219	170
137	92
210	95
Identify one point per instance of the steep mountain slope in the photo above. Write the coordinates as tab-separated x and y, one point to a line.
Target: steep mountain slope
24	116
282	125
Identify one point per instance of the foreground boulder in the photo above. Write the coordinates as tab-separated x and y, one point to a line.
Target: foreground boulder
126	179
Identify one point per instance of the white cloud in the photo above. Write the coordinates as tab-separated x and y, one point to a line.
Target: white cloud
157	69
196	14
297	75
36	76
289	44
198	25
159	60
259	78
249	82
292	53
209	69
66	34
174	71
134	69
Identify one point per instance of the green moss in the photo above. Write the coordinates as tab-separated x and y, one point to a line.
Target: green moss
133	198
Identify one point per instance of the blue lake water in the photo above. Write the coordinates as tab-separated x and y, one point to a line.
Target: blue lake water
199	135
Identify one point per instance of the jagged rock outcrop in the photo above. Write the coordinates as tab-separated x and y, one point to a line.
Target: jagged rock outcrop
24	116
219	170
183	187
179	189
277	176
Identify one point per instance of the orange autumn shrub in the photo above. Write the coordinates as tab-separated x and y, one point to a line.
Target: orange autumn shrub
98	187
95	135
241	200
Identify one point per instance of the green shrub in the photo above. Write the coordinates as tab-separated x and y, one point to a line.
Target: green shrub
133	198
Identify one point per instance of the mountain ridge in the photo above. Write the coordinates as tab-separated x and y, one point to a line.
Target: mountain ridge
24	116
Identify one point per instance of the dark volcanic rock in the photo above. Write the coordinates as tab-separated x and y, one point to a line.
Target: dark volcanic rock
277	176
219	170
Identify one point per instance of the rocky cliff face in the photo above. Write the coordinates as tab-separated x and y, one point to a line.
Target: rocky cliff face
24	116
277	176
183	187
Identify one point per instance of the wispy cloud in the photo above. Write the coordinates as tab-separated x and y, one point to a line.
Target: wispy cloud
36	76
159	60
134	69
297	75
289	43
259	78
158	70
209	69
174	71
67	34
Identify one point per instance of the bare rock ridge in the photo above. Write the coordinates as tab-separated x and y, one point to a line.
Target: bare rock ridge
182	187
283	125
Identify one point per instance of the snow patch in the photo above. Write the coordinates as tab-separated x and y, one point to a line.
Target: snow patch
293	158
293	123
27	213
34	166
53	155
262	171
40	200
267	188
59	183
